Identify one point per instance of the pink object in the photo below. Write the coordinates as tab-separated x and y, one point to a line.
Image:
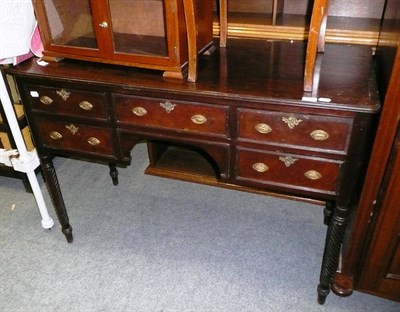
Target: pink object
36	43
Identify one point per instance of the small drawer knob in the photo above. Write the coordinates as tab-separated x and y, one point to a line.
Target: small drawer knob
319	135
103	24
139	111
199	119
46	100
85	105
313	175
263	128
93	141
55	135
260	167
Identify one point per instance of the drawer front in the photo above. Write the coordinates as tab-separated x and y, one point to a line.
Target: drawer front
68	101
171	114
310	131
294	171
75	137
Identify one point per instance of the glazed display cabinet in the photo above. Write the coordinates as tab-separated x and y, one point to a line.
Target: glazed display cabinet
140	33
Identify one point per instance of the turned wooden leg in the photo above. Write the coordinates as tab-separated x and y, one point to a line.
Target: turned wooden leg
334	239
328	211
56	196
113	173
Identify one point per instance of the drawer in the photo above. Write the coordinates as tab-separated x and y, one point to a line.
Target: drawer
309	131
289	170
171	114
71	102
75	137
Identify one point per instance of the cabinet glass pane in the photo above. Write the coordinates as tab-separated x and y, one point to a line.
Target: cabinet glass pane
139	27
70	23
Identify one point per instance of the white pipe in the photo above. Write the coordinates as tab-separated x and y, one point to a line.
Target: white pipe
28	161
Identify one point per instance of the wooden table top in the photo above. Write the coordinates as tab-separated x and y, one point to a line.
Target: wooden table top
250	70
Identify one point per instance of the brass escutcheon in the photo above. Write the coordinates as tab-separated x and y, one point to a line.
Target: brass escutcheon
291	121
260	167
72	128
64	94
46	100
199	119
319	135
93	141
313	175
139	111
85	105
55	135
288	160
168	106
263	128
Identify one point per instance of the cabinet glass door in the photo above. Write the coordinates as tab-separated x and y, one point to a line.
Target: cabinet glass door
138	27
70	23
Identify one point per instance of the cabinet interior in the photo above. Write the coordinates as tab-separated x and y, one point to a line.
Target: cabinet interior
72	25
353	22
180	162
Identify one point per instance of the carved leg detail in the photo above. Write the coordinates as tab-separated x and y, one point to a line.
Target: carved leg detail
113	173
328	211
334	239
56	197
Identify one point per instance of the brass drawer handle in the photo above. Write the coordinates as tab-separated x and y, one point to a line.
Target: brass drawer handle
319	135
139	111
260	167
199	119
313	175
93	141
55	135
46	100
263	128
85	105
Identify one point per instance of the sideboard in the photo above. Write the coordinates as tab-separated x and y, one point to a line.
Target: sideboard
245	124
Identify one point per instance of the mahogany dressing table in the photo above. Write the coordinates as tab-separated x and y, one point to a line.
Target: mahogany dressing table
243	123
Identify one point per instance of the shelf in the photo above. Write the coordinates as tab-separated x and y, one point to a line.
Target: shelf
183	164
348	30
